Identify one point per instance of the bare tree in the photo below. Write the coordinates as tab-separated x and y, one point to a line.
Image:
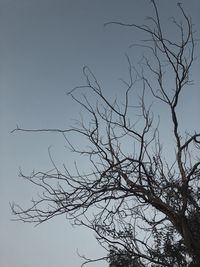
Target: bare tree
132	196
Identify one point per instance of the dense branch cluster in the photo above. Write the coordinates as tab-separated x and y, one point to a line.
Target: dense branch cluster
131	196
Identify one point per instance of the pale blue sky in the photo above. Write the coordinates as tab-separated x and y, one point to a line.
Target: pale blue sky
43	46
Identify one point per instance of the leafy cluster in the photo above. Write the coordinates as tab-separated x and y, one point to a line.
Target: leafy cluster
121	258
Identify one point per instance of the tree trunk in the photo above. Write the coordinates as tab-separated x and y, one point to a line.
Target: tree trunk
191	242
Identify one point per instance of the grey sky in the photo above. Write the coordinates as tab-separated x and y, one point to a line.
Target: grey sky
43	46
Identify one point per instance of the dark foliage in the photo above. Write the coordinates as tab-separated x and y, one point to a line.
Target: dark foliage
121	258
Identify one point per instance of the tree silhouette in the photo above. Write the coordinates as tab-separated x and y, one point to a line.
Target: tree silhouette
133	197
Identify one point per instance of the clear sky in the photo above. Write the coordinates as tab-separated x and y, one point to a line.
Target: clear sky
43	46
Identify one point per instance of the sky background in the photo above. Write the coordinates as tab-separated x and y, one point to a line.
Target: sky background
43	46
